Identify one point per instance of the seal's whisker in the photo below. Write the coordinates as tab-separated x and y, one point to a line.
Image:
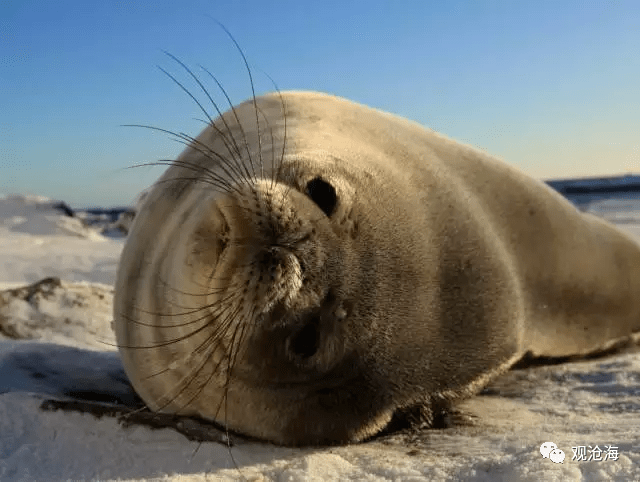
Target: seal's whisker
172	341
190	179
229	288
270	129
227	167
200	147
275	174
189	311
181	137
235	155
193	374
205	382
248	69
234	112
206	309
231	358
215	105
187	91
212	291
216	336
209	176
226	164
203	294
219	184
253	94
278	174
163	315
124	416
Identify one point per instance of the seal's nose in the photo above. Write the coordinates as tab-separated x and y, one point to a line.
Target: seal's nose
281	270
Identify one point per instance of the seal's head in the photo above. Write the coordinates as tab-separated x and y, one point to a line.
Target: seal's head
285	277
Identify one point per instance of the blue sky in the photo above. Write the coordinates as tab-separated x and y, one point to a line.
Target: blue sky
552	87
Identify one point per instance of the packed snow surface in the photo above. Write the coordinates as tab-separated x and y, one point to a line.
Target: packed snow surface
56	340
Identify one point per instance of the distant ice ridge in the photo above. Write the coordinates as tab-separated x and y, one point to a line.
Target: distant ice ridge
113	222
41	216
625	182
617	210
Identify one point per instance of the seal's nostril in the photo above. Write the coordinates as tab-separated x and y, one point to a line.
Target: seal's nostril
305	343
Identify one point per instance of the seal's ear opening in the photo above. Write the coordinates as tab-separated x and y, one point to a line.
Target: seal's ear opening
323	194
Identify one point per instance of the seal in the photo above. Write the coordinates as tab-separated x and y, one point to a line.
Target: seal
310	270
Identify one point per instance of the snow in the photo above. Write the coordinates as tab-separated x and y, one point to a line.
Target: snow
37	241
56	341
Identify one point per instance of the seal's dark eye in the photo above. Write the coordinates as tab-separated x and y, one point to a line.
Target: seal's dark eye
323	194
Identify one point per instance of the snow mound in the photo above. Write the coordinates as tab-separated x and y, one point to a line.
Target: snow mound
72	314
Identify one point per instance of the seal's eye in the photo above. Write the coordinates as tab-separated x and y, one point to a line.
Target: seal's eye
323	194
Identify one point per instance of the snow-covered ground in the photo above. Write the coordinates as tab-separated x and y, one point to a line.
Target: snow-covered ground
56	341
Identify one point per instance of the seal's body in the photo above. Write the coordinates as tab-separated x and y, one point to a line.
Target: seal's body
310	267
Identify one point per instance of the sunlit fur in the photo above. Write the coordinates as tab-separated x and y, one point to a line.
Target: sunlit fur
426	269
